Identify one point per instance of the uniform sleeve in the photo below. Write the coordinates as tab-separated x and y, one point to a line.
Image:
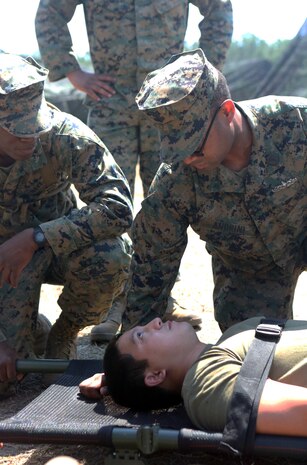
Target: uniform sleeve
216	29
102	188
159	241
53	36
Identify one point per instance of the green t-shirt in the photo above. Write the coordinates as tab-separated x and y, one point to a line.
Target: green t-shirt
209	383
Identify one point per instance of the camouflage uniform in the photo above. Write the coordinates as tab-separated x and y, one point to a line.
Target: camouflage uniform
254	221
127	40
87	250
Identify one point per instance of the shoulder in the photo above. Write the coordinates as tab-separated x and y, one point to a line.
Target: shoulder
274	106
208	386
73	130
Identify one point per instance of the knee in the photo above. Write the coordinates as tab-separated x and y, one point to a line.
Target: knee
117	254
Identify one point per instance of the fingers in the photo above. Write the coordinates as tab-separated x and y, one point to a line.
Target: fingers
93	387
100	88
94	85
104	391
106	77
9	277
8	358
7	372
14	275
93	381
5	276
7	367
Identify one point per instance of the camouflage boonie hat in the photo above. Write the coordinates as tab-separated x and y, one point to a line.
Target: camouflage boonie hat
178	97
23	109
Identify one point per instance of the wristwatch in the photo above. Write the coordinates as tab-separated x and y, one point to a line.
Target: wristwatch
39	237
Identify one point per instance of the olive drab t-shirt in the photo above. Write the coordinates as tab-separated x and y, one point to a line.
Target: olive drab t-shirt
209	383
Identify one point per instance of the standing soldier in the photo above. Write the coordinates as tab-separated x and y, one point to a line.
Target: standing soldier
44	235
127	39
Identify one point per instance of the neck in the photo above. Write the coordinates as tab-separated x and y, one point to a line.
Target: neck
239	154
176	378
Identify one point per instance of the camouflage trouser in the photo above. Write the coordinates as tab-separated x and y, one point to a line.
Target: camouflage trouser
129	144
241	295
92	278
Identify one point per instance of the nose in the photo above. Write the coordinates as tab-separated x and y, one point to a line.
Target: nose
156	323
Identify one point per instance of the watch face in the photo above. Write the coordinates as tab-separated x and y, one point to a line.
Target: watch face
39	237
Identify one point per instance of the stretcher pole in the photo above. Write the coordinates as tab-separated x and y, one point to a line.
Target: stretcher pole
41	365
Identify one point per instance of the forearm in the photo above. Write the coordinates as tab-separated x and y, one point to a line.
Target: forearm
106	210
154	270
53	36
87	225
282	410
216	31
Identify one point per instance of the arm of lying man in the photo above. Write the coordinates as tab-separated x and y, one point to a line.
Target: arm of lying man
282	409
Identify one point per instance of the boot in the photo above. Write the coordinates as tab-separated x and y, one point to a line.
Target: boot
61	344
175	312
43	327
62	340
106	330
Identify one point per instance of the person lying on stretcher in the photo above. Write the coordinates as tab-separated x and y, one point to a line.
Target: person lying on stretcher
163	364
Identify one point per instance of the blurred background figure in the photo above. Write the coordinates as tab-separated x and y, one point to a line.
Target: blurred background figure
127	40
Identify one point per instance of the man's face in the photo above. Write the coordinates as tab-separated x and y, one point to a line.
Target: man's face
217	143
17	148
162	344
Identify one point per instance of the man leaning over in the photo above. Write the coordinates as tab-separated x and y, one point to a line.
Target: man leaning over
235	173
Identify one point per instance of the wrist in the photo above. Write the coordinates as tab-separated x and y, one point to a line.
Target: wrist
39	237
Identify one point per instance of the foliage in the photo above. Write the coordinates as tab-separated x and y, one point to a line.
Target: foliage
252	47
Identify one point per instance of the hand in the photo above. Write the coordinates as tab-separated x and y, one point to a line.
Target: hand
94	387
15	254
94	85
8	357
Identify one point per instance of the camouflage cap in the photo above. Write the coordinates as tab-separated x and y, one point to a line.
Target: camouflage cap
23	109
178	98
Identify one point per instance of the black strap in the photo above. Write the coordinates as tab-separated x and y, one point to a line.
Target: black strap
239	432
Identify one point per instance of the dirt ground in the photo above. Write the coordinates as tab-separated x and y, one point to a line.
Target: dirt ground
195	292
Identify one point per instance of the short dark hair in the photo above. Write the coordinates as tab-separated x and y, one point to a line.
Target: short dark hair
125	379
221	92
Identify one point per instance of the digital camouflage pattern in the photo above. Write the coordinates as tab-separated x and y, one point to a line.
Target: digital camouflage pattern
254	222
89	252
128	39
178	98
23	109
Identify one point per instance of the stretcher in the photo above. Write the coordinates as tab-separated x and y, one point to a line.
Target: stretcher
61	415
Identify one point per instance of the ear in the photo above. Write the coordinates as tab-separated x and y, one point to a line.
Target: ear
154	378
229	109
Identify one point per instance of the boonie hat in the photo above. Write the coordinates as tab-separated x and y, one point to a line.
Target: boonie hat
178	98
23	109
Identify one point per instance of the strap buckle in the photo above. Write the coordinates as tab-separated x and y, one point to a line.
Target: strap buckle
269	331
